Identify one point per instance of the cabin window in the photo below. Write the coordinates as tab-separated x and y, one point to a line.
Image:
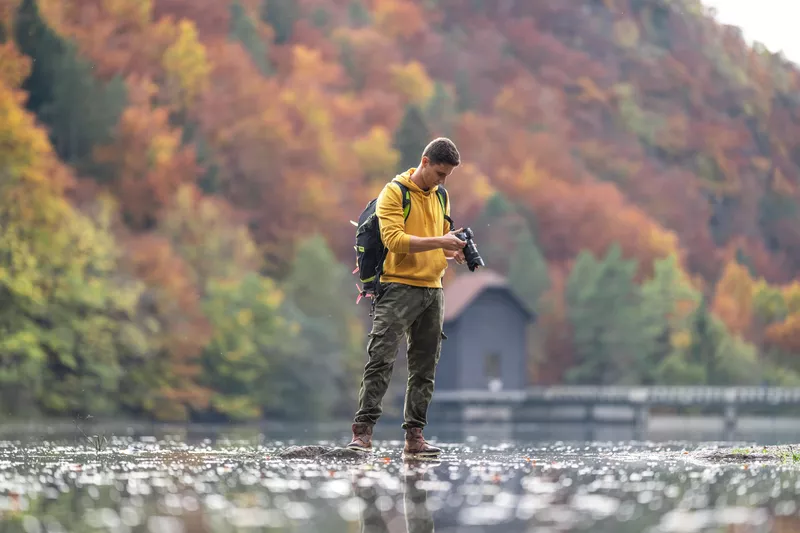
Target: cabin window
492	366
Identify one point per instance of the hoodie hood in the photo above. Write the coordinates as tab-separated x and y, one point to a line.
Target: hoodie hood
405	179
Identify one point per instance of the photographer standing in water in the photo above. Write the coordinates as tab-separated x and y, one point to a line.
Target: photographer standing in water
410	299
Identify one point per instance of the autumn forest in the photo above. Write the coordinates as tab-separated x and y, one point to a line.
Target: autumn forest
177	177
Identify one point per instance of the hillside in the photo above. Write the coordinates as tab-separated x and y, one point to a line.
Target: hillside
178	183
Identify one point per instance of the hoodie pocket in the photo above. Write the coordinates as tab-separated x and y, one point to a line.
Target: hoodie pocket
399	258
442	261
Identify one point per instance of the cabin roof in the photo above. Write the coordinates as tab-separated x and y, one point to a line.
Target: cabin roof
465	288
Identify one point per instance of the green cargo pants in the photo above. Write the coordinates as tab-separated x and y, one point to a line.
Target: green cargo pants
418	313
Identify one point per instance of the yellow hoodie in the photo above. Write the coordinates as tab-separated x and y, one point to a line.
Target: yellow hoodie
425	219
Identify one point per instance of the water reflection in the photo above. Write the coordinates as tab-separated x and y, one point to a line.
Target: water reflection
378	506
144	484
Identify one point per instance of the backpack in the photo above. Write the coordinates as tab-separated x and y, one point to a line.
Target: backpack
369	247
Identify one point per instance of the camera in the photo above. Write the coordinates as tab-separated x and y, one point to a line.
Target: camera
471	254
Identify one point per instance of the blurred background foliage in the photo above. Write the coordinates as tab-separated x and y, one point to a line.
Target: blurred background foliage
176	181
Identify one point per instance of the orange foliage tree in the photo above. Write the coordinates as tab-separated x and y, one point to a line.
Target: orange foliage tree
149	161
590	216
733	299
180	330
118	36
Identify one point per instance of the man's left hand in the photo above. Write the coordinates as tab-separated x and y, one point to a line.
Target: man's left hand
459	257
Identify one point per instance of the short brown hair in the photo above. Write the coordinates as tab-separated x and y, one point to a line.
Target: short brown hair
442	150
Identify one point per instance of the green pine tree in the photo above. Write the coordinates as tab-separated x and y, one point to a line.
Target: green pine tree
348	60
252	341
411	138
83	111
320	17
35	39
604	310
714	356
441	111
244	30
496	229
358	14
496	206
281	15
209	181
464	94
527	271
660	297
79	110
329	362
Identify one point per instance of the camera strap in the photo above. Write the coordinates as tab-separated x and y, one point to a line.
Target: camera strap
450	221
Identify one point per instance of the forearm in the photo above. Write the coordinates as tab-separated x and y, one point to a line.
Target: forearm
423	244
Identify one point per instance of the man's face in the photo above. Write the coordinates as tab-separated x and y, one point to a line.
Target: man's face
434	175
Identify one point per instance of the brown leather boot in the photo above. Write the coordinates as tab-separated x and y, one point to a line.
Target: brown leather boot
416	446
362	437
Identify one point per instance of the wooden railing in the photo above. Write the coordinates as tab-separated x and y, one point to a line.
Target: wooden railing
631	406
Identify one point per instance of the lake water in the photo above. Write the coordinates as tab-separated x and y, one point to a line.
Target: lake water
186	480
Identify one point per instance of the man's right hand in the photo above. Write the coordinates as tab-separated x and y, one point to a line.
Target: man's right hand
451	242
445	242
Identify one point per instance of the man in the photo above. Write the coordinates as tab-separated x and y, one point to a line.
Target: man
410	302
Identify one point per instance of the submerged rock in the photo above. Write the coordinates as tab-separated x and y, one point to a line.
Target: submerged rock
751	454
345	453
322	452
303	452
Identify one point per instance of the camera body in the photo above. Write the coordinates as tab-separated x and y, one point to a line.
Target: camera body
471	253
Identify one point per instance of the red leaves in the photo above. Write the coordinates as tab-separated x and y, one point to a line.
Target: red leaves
586	216
212	19
149	161
119	37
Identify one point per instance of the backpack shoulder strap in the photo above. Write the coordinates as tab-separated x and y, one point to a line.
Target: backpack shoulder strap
442	193
404	192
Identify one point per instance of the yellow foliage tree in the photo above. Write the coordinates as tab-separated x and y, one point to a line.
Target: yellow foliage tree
305	94
474	189
205	233
186	66
14	67
310	69
64	312
375	154
137	12
777	316
786	335
769	303
791	295
412	81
